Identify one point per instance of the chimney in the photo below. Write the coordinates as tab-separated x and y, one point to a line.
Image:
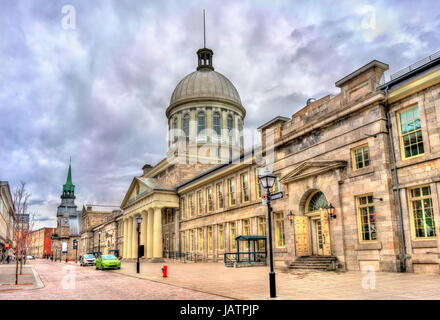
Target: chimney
146	168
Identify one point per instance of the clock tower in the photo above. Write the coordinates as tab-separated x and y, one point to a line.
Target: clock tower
68	218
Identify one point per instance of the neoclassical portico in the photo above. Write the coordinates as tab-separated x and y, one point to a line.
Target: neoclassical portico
148	199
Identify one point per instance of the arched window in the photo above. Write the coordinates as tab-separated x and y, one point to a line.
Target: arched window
201	122
175	135
316	201
216	124
186	125
230	123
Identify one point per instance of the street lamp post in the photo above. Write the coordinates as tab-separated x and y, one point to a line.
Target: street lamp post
75	246
139	221
267	180
99	241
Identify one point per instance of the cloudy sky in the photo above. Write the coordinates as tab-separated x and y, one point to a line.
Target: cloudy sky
95	86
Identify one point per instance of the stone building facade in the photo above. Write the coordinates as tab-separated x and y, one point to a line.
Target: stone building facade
106	234
91	217
370	152
7	218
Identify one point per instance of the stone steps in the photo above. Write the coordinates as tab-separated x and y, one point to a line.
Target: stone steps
314	263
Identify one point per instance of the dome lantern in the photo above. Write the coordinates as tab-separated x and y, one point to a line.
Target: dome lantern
205	59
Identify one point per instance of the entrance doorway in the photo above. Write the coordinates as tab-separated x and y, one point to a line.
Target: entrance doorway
312	232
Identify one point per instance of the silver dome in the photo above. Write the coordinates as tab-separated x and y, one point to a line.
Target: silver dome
205	84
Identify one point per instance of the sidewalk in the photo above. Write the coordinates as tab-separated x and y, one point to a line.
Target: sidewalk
29	278
253	282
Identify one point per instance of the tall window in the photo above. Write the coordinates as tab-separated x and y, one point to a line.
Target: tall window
276	186
175	127
410	128
191	205
219	190
231	191
221	239
246	231
184	242
240	132
230	123
183	208
210	241
259	188
191	240
366	218
279	230
230	126
201	122
200	239
422	214
186	125
361	157
209	199
216	125
199	202
244	187
233	234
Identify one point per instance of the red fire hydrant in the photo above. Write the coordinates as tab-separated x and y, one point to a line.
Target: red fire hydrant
164	271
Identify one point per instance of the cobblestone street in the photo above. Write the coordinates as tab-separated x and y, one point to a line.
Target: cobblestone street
69	281
253	283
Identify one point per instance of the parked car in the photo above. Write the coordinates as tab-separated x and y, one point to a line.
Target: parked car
108	261
30	257
87	260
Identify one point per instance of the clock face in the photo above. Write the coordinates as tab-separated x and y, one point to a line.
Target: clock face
65	220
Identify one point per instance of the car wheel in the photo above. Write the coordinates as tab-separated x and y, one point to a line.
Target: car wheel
96	267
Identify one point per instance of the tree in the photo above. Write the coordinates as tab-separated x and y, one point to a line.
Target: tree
22	225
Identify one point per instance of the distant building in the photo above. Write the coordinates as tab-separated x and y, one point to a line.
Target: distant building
41	242
107	236
91	217
7	218
68	222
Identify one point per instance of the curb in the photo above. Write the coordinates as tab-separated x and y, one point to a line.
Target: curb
39	283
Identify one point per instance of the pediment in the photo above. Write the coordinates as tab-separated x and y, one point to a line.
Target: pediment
137	189
312	168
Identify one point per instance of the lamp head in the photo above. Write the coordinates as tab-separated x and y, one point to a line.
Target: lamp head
331	211
267	179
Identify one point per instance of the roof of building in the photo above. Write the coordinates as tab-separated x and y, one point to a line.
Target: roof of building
257	237
205	83
154	184
274	120
250	152
405	75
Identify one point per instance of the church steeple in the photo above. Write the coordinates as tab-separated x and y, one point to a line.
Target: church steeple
68	187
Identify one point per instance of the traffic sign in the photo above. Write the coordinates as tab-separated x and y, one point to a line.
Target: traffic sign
276	196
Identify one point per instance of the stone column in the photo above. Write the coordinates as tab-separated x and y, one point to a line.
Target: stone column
125	250
157	237
129	236
150	233
144	229
134	240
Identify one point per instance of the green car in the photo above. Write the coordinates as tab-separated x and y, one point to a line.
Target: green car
108	261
